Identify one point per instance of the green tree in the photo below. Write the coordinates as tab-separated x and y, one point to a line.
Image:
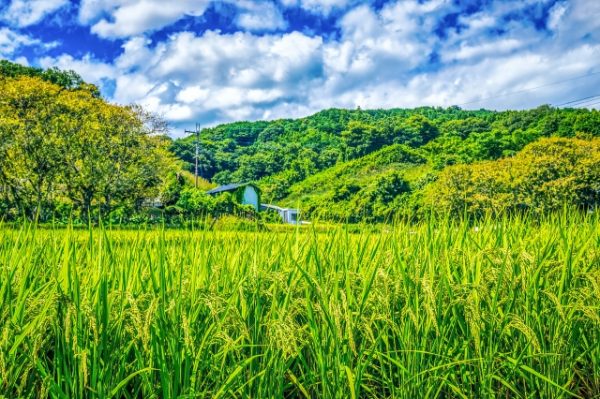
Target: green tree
359	138
543	177
71	147
31	142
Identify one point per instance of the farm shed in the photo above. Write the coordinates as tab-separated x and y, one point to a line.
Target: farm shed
288	215
245	193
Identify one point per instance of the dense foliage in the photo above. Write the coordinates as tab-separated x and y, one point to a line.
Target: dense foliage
437	309
543	177
65	152
68	153
331	164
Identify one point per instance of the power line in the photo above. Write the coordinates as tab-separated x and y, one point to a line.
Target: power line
587	105
580	100
530	89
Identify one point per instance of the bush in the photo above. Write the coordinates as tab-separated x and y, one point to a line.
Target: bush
543	177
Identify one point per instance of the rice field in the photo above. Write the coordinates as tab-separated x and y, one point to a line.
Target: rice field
507	308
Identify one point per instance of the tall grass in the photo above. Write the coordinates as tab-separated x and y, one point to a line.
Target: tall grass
509	308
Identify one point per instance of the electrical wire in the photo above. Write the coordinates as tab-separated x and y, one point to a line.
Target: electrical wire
580	100
587	105
530	89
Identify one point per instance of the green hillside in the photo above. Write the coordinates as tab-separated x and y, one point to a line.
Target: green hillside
371	165
293	149
398	181
364	187
67	153
356	165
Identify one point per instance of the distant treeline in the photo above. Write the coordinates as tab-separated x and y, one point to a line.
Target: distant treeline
66	153
348	164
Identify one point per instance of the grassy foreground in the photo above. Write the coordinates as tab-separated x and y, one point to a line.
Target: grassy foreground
509	308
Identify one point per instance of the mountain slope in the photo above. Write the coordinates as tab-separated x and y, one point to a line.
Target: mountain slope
290	150
367	187
369	165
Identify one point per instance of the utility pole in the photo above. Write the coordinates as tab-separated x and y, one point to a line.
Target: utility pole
197	132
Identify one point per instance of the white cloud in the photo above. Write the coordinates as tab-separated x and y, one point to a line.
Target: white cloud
89	68
92	10
136	52
318	6
259	16
125	18
382	46
491	80
487	48
479	21
24	13
192	94
556	14
222	75
12	41
394	56
575	21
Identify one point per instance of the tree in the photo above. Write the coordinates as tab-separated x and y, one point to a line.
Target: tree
543	177
66	79
111	155
71	147
31	142
359	138
421	129
389	186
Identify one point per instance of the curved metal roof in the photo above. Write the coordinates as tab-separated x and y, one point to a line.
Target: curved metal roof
229	187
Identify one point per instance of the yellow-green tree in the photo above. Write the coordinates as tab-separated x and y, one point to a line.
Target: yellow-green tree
62	146
30	141
544	176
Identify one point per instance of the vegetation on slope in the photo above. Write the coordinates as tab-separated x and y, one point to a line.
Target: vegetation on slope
245	151
365	188
67	153
333	164
543	177
546	175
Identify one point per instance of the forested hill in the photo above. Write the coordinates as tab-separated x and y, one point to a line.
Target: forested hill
68	154
332	161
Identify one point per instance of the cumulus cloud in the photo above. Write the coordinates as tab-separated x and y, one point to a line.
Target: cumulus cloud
226	76
467	51
88	67
125	18
319	6
490	83
402	54
575	21
11	42
260	16
23	13
382	46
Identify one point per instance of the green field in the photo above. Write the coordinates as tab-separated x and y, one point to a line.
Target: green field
503	308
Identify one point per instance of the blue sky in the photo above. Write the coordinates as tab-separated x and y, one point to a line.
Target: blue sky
218	61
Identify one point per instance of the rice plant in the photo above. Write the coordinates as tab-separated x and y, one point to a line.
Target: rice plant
507	308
